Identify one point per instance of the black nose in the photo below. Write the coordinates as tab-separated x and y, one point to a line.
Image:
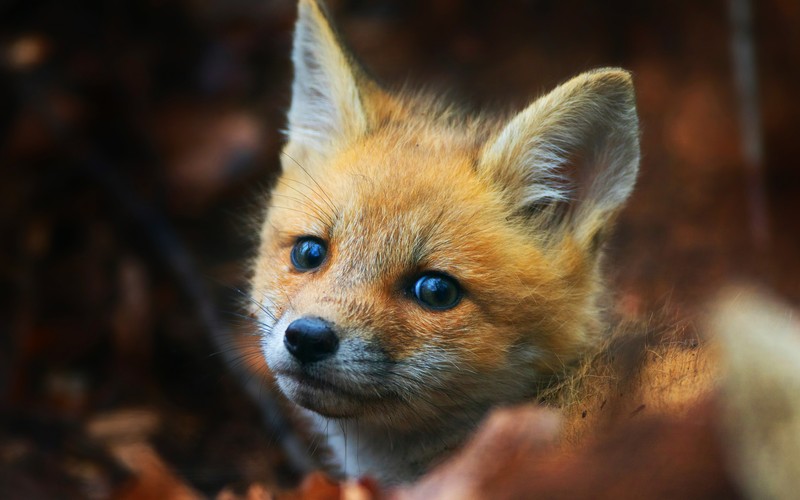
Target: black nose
310	340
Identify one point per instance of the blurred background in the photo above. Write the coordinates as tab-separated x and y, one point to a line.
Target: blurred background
138	137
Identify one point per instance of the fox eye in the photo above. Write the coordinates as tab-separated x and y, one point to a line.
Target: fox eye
308	253
437	291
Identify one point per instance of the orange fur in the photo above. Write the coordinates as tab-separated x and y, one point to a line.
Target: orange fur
637	373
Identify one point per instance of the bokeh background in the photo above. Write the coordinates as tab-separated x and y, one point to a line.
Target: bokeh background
137	138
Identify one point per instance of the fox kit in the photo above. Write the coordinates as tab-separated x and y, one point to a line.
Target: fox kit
419	266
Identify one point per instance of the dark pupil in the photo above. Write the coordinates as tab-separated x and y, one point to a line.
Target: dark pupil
308	253
438	292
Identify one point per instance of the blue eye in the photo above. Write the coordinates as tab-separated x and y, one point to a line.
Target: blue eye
308	253
437	291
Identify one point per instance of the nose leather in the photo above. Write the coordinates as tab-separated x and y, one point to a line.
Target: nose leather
310	339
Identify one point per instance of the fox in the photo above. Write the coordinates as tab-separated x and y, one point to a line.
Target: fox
419	265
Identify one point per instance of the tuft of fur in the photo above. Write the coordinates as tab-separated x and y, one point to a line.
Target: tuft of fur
639	370
399	184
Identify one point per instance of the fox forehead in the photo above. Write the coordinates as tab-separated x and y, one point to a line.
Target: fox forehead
393	203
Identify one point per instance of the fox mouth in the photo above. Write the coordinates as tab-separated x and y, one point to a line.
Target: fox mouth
324	396
317	383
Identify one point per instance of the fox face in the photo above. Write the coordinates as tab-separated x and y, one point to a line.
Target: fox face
419	265
394	281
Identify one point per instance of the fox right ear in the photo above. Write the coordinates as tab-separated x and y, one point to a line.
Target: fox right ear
572	156
327	104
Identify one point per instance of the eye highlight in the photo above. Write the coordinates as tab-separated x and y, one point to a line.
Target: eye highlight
437	291
308	253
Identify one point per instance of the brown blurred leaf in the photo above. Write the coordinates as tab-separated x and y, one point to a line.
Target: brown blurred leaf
206	150
657	457
154	479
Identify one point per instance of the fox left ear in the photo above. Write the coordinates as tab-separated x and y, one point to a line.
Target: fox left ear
327	92
571	157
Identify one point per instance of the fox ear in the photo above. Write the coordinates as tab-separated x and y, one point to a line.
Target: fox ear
326	101
572	156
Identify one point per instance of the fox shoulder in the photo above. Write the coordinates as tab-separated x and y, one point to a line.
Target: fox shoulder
746	363
640	369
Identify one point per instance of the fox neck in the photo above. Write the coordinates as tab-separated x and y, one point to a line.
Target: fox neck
391	456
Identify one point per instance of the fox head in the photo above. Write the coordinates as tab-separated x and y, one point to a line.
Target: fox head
417	263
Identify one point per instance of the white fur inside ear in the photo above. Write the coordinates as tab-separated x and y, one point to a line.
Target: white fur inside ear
539	172
326	104
578	145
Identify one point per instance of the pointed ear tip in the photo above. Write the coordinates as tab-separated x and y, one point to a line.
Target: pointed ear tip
308	8
618	78
312	19
611	75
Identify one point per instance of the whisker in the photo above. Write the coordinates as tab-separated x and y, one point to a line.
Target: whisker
317	212
313	201
260	305
300	212
330	202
